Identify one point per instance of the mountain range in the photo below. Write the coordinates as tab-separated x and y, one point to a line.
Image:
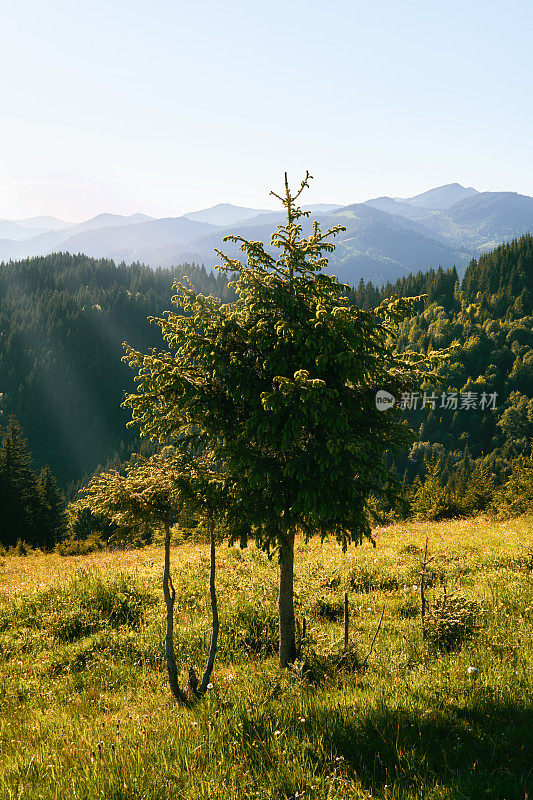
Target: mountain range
385	237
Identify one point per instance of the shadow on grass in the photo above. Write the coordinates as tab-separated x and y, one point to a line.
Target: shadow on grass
476	752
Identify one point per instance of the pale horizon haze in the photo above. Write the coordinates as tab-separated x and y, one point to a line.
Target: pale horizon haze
168	107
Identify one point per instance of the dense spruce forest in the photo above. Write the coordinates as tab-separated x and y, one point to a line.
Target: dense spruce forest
63	319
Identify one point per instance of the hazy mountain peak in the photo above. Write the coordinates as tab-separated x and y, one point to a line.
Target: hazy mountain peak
113	219
44	223
392	205
225	214
441	197
321	208
20	229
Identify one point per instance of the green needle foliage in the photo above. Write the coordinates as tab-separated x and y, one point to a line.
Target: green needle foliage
32	509
280	386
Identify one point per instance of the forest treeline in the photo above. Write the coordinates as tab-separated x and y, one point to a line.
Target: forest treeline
474	423
63	319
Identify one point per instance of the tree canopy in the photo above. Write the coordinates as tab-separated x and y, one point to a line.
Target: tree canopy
279	385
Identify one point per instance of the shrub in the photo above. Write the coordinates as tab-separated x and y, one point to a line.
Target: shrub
451	621
73	546
19	549
83	523
516	495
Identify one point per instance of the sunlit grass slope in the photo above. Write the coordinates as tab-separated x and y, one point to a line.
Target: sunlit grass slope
86	711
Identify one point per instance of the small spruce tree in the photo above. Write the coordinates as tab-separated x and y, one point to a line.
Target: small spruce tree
52	518
19	494
280	386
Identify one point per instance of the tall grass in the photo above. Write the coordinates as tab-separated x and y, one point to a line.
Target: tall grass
86	711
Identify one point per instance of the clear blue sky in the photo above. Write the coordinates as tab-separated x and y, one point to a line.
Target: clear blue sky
166	107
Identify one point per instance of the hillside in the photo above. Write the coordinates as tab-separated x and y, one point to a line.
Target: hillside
489	322
86	711
63	320
386	237
473	224
377	245
62	323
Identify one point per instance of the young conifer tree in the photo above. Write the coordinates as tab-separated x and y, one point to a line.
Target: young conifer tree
19	496
280	387
52	519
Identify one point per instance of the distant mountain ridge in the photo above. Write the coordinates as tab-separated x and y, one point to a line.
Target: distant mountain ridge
442	197
225	214
385	237
19	229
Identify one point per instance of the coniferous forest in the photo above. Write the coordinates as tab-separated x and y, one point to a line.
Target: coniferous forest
64	318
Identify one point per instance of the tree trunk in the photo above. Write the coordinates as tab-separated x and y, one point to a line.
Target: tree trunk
214	612
170	596
287	637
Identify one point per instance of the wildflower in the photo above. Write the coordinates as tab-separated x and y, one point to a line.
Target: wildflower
473	672
277	733
209	685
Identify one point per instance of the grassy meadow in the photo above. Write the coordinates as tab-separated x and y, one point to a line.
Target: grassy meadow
86	713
